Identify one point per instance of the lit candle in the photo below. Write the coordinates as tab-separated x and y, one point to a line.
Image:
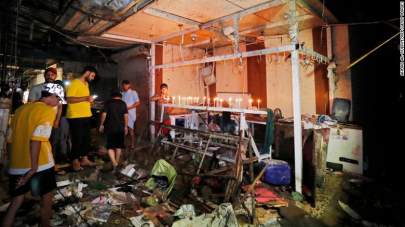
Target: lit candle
239	100
179	100
204	99
189	100
230	102
220	102
250	102
198	100
258	104
174	100
215	101
208	102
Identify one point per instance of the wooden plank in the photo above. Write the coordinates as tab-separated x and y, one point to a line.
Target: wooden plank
212	22
247	4
274	25
147	27
244	12
124	38
170	16
197	10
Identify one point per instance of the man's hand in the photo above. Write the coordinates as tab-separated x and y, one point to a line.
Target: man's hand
90	98
26	177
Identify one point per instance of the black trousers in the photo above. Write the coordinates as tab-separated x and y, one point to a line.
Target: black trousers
80	137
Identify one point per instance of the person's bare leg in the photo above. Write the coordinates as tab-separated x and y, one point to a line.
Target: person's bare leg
111	154
76	165
46	209
132	137
12	210
86	162
117	155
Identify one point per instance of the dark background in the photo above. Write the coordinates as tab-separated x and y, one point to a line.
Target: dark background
377	87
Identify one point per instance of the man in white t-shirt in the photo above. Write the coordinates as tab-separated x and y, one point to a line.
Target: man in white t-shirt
130	97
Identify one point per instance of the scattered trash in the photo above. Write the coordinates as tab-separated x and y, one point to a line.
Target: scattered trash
349	210
63	183
129	170
162	169
296	196
101	200
223	216
141	221
264	195
267	216
185	211
101	213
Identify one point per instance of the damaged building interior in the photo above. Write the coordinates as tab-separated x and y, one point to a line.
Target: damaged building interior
201	113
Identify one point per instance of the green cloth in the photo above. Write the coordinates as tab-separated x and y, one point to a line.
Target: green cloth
297	196
269	138
162	168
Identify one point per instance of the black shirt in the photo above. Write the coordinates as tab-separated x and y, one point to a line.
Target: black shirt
115	109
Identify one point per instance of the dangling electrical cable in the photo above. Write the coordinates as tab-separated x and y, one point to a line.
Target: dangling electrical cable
16	37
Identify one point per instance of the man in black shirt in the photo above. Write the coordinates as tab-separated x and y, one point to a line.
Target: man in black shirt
114	121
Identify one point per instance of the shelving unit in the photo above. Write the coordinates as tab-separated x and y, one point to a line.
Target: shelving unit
293	48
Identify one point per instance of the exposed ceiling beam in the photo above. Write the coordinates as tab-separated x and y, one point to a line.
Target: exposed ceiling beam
174	35
245	12
191	45
172	17
124	38
133	7
241	13
256	29
273	25
315	7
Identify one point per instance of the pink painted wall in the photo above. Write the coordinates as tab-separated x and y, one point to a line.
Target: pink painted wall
185	80
279	85
231	75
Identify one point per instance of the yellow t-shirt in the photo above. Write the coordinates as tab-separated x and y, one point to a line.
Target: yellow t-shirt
81	109
31	121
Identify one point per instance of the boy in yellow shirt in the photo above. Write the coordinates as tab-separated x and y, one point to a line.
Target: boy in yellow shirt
31	159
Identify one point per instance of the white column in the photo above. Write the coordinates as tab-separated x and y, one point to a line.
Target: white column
331	68
295	67
152	90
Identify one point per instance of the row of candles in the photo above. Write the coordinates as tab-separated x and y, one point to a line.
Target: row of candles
216	102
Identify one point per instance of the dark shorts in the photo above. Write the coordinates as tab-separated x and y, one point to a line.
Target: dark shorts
39	184
115	140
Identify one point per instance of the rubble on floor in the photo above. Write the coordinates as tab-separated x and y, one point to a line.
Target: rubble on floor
149	191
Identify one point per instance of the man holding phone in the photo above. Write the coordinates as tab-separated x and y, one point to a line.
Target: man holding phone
79	116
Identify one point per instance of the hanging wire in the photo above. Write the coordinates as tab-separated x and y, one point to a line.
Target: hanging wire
16	38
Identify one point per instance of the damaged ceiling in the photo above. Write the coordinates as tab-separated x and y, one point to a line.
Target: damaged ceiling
208	23
35	34
44	32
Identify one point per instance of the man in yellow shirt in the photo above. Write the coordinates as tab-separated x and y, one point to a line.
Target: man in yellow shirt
31	159
79	115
